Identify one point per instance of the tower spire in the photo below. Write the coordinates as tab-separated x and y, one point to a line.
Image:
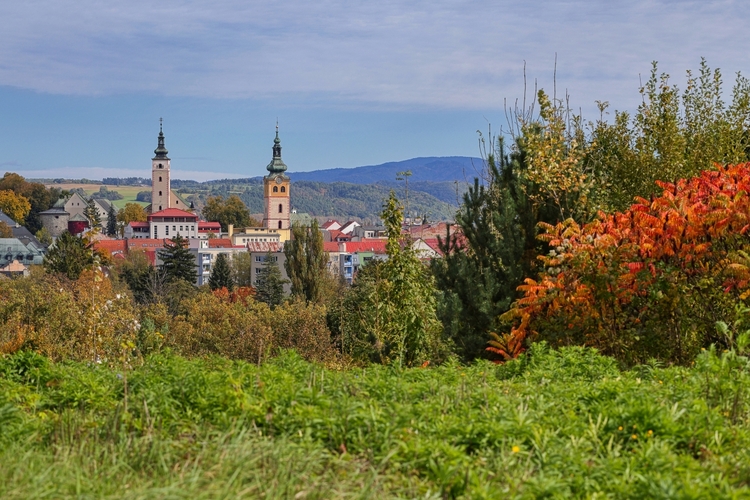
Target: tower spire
161	150
276	166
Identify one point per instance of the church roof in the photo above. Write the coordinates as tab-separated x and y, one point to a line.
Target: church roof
161	150
277	166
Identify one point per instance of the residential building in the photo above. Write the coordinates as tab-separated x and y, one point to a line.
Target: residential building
173	222
13	249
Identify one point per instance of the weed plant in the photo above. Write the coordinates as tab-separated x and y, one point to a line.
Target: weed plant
562	423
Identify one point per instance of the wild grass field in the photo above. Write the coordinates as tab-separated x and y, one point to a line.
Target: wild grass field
128	192
553	424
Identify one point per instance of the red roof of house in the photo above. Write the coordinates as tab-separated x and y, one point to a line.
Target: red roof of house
329	223
337	235
173	212
220	243
139	224
209	226
330	246
147	242
349	226
377	246
112	246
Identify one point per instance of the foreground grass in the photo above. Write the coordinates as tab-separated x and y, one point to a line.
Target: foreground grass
557	424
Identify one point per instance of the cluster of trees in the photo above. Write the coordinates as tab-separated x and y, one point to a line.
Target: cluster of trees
228	211
561	172
22	201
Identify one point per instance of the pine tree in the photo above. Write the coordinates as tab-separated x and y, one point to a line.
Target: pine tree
221	274
70	255
91	212
111	221
269	285
178	262
481	270
306	262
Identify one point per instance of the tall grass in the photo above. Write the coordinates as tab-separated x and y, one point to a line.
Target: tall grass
555	424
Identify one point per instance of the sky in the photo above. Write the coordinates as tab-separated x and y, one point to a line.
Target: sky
83	83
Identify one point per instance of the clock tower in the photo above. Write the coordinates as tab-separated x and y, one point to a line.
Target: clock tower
160	182
277	208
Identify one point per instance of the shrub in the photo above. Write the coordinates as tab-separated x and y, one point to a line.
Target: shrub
648	282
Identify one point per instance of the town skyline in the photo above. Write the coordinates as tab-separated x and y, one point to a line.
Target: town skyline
82	87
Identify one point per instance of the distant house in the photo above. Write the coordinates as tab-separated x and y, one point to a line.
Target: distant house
258	253
13	249
19	231
14	269
172	222
330	224
206	251
137	230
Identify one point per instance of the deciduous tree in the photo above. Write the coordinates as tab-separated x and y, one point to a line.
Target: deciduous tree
14	205
306	262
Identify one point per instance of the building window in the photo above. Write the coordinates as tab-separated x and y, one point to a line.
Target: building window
160	178
281	208
156	232
160	165
166	230
159	207
180	228
159	193
283	189
275	189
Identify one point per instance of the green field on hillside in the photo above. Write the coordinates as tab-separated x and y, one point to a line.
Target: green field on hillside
554	424
128	192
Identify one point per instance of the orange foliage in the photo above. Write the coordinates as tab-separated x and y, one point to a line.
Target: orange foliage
695	229
241	294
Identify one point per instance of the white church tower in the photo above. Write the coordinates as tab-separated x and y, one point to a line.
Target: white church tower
160	185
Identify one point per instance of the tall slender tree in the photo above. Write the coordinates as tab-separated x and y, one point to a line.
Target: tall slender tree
111	221
221	274
306	262
269	284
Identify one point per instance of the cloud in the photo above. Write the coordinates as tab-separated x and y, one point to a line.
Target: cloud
450	54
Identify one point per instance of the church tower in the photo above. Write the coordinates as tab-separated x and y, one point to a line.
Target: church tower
160	184
276	210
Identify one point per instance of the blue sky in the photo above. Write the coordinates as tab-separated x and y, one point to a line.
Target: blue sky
83	83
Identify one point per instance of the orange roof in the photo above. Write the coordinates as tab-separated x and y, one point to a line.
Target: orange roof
147	242
220	243
208	226
330	246
112	246
172	212
138	224
265	246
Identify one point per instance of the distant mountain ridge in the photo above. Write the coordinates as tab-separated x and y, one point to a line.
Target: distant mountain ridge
430	169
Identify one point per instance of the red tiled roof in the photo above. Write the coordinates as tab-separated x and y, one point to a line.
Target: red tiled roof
139	224
329	223
220	243
209	226
147	242
377	246
111	246
172	212
330	246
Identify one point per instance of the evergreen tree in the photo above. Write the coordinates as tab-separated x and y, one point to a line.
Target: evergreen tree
270	283
70	255
111	221
221	274
92	214
306	262
178	262
492	253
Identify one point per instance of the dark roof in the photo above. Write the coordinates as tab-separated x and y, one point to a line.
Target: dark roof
19	231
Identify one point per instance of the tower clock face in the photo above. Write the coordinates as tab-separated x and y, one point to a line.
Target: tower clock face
278	180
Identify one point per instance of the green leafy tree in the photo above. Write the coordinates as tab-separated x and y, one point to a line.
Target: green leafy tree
306	262
44	236
242	269
178	262
39	196
390	314
221	274
70	255
230	211
269	284
111	221
91	212
137	272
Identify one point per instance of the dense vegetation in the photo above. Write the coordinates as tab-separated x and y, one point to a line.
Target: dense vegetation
555	424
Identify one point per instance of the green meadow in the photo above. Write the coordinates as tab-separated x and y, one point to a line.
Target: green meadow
553	424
